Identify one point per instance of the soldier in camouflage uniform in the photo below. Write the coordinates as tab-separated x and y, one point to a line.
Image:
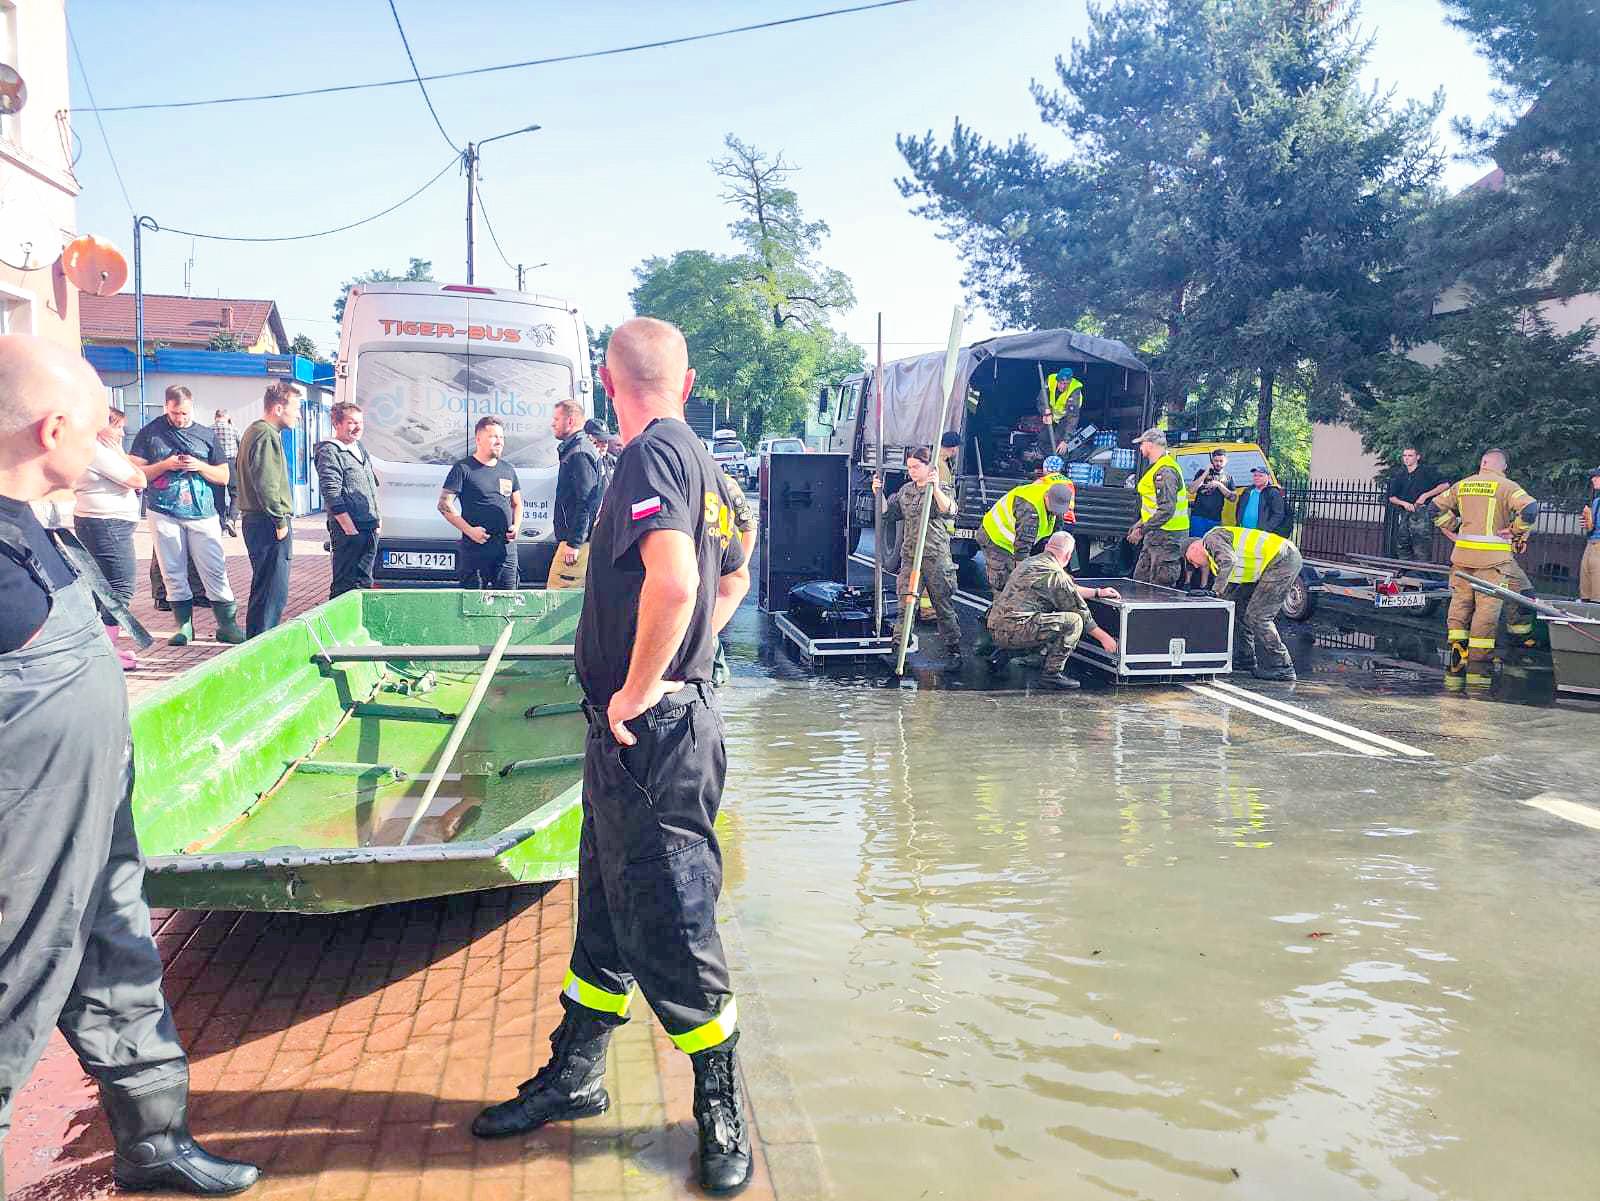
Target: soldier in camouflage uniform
938	570
745	522
1163	525
1042	609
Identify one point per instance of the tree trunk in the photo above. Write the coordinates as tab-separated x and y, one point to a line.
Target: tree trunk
1264	411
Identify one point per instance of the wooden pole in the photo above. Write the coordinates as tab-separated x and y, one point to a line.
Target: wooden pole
459	730
877	497
949	378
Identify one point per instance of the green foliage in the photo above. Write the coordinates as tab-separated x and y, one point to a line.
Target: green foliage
1542	228
1234	196
303	345
1506	379
417	271
226	339
757	321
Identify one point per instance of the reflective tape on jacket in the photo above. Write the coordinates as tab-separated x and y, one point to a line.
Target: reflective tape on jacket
1253	551
1485	504
1000	522
1061	395
592	996
1179	521
715	1032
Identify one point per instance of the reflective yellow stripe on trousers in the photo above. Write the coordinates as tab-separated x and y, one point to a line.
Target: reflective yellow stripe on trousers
718	1030
592	996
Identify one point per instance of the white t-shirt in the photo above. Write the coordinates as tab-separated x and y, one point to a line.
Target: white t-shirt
101	493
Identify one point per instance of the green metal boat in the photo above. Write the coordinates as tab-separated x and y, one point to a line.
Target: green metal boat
385	746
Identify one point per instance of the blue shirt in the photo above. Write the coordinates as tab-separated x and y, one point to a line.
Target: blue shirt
1594	511
1250	510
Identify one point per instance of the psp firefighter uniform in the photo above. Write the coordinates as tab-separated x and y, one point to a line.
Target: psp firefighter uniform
1164	518
1486	512
1263	567
1017	521
649	865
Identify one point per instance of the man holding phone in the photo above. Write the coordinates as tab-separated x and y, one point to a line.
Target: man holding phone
182	462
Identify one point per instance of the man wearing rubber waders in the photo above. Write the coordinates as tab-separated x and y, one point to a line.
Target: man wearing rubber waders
1163	524
666	571
938	570
75	946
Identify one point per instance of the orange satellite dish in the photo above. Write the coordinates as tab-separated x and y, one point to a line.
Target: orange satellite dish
94	266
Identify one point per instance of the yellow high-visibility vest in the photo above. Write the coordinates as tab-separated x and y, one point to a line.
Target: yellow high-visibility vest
1253	550
1060	399
1179	521
1000	522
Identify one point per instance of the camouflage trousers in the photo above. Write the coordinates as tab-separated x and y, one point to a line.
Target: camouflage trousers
997	564
1413	534
939	578
1160	558
1054	634
1256	607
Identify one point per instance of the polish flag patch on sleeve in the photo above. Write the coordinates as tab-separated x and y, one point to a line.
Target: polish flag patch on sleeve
648	507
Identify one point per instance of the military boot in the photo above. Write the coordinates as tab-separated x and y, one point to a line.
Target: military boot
154	1149
569	1086
719	1112
228	622
1282	671
184	612
1059	679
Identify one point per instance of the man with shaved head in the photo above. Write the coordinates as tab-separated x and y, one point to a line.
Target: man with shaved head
75	945
666	571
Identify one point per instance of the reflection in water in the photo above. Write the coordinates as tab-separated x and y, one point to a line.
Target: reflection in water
1126	944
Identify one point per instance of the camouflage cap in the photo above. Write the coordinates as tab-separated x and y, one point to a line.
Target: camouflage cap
1152	435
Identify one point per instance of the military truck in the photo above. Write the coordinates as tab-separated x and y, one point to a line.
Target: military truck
994	407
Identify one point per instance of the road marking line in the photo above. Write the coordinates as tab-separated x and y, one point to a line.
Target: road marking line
1308	715
1327	735
1572	811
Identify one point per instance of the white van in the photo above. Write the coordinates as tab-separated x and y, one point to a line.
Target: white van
425	362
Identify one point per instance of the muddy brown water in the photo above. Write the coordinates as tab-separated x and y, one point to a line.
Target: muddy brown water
1130	944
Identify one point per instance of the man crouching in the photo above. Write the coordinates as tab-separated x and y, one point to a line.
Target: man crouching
1042	609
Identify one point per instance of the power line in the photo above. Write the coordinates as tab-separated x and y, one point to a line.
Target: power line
532	62
84	75
321	233
427	99
489	225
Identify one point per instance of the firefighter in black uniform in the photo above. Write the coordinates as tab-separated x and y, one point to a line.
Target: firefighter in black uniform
75	945
666	571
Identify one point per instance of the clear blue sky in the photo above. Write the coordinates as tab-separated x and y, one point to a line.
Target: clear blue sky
618	172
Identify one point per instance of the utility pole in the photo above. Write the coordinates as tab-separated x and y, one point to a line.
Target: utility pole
469	159
519	277
140	224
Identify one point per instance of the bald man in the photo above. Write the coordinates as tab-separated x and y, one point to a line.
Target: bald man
666	571
75	945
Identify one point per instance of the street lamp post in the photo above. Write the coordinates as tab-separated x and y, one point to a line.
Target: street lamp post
469	160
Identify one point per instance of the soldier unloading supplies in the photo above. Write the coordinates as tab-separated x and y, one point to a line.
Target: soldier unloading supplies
1021	517
1043	609
1487	514
1263	567
1163	514
938	569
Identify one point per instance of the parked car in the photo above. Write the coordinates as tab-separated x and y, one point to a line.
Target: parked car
730	454
773	446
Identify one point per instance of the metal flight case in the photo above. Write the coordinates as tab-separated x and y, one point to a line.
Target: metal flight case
1160	632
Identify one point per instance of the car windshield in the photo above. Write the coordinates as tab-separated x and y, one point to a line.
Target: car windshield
1238	466
727	446
787	446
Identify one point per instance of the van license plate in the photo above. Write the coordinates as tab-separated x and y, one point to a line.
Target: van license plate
1403	600
420	560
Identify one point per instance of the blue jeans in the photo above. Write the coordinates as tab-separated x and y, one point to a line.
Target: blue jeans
109	540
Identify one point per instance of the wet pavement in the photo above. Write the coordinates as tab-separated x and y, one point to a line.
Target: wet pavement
994	942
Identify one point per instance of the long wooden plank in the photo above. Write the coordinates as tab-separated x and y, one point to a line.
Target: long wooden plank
446	652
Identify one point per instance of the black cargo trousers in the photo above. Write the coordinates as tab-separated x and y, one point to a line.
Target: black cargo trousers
650	871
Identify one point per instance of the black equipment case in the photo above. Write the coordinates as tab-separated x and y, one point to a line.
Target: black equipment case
1160	632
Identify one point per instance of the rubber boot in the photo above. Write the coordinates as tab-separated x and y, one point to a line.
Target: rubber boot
184	612
1059	680
227	622
156	1151
1457	665
719	1112
568	1086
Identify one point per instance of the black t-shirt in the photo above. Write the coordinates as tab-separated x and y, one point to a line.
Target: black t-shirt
1408	485
665	480
23	604
484	492
1208	502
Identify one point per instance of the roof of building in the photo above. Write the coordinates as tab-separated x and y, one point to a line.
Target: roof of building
1495	181
179	320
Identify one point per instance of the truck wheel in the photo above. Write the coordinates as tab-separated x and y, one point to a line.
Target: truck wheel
1301	601
857	536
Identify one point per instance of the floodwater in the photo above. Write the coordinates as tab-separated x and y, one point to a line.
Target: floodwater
1134	944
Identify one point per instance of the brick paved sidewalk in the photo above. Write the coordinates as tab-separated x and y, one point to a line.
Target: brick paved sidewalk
348	1054
308	587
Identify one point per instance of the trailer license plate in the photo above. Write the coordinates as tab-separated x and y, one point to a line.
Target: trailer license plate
1403	600
420	560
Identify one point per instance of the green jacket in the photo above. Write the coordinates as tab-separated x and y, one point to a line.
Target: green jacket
262	473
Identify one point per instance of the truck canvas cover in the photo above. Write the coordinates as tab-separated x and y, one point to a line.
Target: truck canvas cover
914	414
